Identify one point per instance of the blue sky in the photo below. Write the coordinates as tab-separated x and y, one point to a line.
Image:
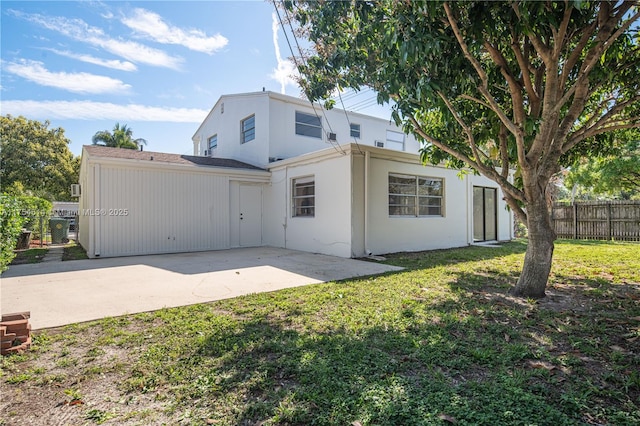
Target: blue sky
157	66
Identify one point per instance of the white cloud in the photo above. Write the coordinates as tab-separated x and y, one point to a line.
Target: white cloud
113	64
285	70
152	26
73	82
79	30
88	110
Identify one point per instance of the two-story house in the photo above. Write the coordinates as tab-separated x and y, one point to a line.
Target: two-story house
270	169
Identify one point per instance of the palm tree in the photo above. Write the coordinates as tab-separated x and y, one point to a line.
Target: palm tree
120	137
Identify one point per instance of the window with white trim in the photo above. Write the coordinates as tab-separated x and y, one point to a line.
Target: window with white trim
248	129
303	200
416	196
212	142
395	140
354	130
308	125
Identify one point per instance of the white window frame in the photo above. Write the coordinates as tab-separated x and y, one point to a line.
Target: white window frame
244	132
211	138
421	196
308	125
395	140
303	196
354	130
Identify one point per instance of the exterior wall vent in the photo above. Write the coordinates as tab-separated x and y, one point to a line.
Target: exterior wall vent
75	190
332	137
380	144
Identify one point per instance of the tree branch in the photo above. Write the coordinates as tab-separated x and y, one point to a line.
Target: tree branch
515	88
605	122
495	107
576	53
507	187
504	151
467	130
606	36
543	50
525	66
597	131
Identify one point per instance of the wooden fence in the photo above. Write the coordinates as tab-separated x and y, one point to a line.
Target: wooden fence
597	220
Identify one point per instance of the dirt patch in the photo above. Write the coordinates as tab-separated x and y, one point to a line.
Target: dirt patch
76	381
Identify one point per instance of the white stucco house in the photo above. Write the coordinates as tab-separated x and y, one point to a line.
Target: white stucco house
274	170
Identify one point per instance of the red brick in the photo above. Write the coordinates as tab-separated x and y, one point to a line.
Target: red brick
24	346
22	331
16	316
15	323
8	337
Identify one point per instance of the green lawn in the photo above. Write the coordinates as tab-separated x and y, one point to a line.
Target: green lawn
34	255
438	343
74	251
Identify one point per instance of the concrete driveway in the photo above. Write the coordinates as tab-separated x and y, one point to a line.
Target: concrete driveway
60	293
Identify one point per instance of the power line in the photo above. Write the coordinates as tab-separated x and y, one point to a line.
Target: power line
338	148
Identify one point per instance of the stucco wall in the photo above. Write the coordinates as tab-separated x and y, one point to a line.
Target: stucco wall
329	231
275	128
227	126
389	234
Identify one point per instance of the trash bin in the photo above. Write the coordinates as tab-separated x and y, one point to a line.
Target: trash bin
24	240
59	230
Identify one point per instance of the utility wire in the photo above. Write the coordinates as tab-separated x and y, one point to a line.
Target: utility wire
337	148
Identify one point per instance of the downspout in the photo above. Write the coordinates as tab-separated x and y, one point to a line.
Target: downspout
286	200
469	210
367	157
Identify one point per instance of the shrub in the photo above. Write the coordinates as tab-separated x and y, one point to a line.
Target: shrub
32	209
10	226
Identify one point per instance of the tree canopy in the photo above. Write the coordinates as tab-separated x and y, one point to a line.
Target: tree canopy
512	90
614	176
36	159
120	137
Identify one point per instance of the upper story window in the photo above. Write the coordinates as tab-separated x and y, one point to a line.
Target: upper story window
212	142
395	140
354	130
303	200
414	195
308	125
248	129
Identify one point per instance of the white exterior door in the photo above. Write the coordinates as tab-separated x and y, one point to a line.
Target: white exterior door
250	215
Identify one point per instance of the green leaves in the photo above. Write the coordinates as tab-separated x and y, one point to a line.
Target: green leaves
120	137
10	225
36	158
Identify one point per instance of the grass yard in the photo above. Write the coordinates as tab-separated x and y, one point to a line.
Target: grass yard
74	251
33	255
439	343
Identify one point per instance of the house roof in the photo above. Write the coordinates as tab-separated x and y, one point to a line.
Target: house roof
163	157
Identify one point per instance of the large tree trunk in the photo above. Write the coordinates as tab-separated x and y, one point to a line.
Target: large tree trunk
537	260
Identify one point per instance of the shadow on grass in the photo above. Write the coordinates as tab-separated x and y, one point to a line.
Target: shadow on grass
382	376
385	351
433	258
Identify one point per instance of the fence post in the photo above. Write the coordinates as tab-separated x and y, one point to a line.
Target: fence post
575	221
609	221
